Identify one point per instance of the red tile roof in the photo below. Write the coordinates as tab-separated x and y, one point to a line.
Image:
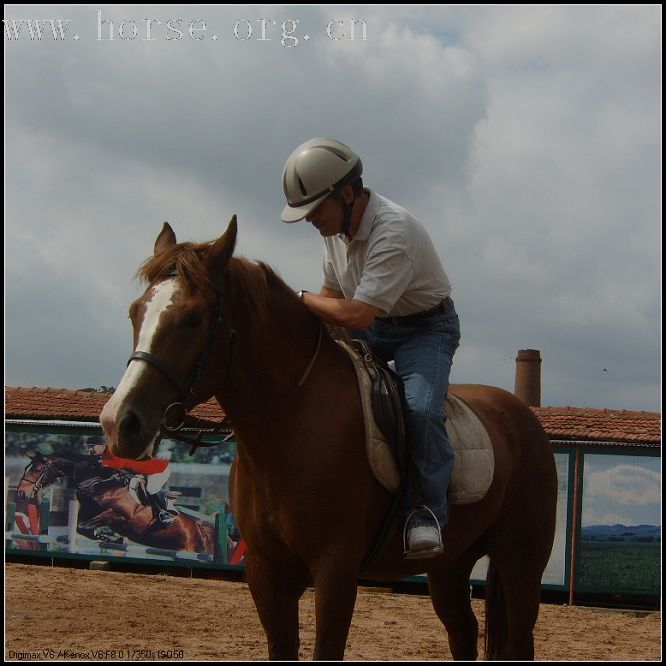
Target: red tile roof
600	424
56	404
67	405
570	423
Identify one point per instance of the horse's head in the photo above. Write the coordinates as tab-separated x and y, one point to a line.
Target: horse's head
179	323
39	473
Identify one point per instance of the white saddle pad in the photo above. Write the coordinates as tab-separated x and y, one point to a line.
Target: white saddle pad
474	463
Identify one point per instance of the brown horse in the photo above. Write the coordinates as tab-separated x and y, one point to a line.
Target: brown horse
109	503
303	493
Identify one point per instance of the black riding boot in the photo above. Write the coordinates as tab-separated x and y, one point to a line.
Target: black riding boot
163	513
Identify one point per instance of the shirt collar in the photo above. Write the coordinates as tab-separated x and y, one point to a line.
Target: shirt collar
365	227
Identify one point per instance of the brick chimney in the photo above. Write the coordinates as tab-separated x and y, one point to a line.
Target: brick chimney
528	377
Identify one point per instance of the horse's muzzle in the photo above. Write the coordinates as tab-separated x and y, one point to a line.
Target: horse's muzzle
135	436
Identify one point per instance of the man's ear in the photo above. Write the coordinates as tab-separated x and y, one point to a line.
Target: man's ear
347	194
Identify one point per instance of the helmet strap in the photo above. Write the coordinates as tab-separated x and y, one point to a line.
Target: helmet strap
347	209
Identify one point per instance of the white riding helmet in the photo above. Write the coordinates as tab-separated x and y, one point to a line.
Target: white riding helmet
314	170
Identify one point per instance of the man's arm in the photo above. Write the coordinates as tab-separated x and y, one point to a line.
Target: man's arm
330	293
333	308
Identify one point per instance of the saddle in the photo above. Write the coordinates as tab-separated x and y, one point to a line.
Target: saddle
382	397
387	399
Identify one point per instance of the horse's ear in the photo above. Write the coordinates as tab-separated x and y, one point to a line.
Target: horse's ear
31	454
166	238
222	249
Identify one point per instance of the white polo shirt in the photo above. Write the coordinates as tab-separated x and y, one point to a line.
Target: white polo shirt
390	263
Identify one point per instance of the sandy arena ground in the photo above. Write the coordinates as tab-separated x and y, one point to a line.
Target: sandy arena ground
70	614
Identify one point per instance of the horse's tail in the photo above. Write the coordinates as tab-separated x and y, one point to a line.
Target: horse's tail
496	628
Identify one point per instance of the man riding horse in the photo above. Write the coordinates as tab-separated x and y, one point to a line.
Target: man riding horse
146	478
384	280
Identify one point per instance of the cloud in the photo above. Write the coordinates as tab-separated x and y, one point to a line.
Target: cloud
526	139
591	517
626	484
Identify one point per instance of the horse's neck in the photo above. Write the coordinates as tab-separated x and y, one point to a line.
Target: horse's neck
70	468
272	361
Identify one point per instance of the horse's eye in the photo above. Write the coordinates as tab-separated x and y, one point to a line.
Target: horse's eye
194	319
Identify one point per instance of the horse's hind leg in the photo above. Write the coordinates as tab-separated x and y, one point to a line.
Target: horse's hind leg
517	594
513	591
276	593
449	593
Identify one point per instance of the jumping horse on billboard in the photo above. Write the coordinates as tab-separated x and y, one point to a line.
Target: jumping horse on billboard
305	499
106	502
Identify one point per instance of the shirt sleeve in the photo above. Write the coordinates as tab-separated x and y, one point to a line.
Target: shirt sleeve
387	275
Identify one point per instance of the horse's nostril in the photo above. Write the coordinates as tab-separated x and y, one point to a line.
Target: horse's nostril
130	424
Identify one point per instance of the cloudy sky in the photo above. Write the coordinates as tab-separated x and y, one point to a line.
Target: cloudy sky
526	139
627	493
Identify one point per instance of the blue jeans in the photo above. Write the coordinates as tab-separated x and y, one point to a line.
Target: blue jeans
423	354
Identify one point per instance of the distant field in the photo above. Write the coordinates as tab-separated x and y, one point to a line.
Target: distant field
610	566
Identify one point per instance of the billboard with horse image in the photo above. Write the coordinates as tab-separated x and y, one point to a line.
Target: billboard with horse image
68	496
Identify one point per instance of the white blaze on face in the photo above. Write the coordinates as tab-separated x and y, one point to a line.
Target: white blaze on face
161	298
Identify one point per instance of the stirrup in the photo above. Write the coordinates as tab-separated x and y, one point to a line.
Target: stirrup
422	554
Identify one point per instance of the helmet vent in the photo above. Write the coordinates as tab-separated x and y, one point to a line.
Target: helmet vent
338	154
304	191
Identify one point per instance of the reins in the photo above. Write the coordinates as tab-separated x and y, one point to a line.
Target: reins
226	425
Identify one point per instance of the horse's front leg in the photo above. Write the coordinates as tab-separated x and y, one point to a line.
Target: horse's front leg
276	590
335	597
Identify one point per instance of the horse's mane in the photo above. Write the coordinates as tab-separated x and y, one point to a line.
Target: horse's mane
58	459
185	258
245	281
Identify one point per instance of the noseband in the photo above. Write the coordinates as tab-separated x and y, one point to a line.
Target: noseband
175	414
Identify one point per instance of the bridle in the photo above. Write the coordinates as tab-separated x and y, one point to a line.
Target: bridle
175	414
38	483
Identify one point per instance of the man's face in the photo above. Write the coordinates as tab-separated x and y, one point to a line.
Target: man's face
327	217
